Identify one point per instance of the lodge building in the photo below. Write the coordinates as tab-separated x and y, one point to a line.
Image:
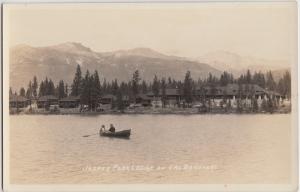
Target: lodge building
46	101
69	102
173	97
17	101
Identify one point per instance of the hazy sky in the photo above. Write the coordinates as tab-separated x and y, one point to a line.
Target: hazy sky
265	30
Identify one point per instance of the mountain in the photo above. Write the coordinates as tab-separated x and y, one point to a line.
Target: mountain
236	64
60	61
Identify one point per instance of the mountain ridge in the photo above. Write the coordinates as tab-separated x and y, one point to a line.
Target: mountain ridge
60	61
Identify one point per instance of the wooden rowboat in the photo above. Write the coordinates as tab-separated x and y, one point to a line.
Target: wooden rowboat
120	134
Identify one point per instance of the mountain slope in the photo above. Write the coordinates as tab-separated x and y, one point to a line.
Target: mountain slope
60	61
236	64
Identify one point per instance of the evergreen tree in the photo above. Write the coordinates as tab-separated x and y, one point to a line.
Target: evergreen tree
10	91
104	86
284	85
225	78
163	92
34	87
135	83
248	77
77	81
61	90
50	88
187	87
46	85
66	90
22	92
94	92
144	87
270	83
97	83
85	95
155	86
170	82
259	79
29	91
115	87
120	103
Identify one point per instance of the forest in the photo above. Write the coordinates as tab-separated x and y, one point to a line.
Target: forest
90	88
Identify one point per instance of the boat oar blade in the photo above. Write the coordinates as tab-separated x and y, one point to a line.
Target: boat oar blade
90	135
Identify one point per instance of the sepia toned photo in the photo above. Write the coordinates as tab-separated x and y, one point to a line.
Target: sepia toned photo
150	96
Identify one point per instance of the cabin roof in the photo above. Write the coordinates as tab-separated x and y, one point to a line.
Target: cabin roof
233	89
108	96
47	97
169	92
17	98
71	98
143	97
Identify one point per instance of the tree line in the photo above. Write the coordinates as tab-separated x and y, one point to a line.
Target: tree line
90	88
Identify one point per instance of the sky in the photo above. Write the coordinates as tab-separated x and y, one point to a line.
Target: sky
263	30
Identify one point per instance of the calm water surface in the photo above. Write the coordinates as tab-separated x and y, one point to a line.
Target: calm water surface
223	148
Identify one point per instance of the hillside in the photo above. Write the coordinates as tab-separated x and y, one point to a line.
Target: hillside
60	61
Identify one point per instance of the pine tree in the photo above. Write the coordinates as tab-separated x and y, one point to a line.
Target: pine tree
248	77
29	91
46	85
22	92
85	95
170	82
144	87
66	90
10	91
104	87
97	83
135	83
42	89
270	83
50	88
187	87
34	87
155	86
61	89
259	79
94	94
225	78
77	81
287	84
115	87
163	92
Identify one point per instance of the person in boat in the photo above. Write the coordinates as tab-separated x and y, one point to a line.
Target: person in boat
102	128
112	128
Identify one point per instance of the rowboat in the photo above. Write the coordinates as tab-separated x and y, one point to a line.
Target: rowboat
120	134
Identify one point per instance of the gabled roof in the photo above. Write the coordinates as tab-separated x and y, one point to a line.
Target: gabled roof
274	93
234	89
143	96
169	92
47	97
17	98
108	96
70	98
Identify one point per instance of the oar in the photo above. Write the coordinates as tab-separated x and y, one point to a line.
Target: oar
90	135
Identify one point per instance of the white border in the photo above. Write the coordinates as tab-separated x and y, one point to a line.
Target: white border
139	187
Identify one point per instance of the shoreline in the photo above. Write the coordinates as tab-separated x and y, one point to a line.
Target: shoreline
187	111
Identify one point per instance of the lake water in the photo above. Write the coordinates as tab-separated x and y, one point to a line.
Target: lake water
246	149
